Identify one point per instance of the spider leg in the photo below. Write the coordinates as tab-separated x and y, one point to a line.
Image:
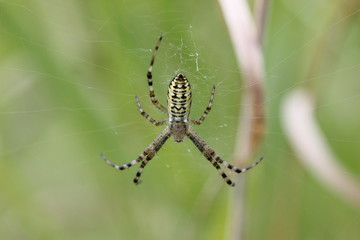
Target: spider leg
208	153
149	79
145	157
141	168
221	172
232	167
151	150
207	110
125	166
147	116
138	173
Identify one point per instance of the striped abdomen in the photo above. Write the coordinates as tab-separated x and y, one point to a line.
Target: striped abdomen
179	99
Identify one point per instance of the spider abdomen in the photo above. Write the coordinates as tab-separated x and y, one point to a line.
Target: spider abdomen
179	98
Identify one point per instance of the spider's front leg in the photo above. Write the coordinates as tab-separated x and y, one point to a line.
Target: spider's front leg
125	166
210	155
145	157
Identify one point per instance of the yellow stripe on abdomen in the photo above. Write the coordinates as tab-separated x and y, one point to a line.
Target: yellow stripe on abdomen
179	98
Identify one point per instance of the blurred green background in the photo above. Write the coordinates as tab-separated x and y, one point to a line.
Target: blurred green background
69	71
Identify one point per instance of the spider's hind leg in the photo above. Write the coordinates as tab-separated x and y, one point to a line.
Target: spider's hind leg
150	81
207	110
147	116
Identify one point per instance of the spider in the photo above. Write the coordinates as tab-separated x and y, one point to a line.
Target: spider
177	125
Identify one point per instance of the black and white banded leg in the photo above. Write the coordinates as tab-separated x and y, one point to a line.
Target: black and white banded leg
145	157
150	81
204	149
147	116
232	167
221	172
207	110
210	155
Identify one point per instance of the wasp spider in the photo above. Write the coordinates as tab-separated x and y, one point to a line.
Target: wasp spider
177	125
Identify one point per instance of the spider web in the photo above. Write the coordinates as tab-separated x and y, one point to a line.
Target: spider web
57	116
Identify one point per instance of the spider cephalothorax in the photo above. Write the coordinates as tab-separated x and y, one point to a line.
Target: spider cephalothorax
177	125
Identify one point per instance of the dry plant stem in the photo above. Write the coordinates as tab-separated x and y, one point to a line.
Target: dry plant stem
308	142
311	148
248	51
261	9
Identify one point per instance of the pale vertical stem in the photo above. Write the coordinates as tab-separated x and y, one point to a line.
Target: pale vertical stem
261	10
248	51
